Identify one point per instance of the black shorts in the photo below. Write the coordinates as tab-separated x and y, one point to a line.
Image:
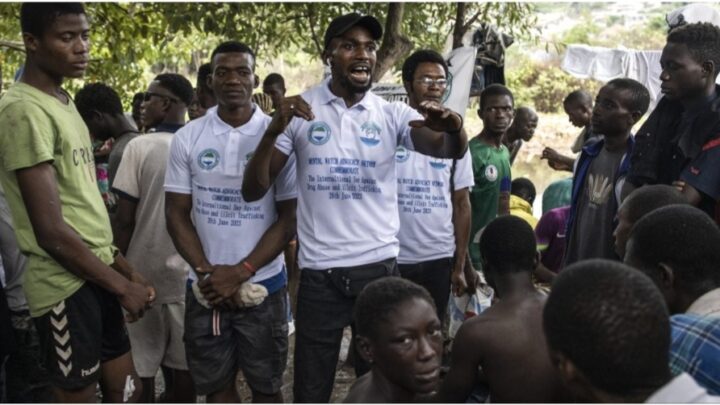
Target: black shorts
254	339
79	334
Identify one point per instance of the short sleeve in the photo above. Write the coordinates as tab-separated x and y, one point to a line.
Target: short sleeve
703	172
399	115
506	179
463	177
28	136
178	175
286	182
127	177
285	142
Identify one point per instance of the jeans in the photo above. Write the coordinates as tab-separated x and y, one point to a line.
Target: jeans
434	275
323	311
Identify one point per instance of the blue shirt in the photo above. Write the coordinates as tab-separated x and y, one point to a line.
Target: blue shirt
695	349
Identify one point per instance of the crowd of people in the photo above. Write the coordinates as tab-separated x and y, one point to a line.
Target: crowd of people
143	243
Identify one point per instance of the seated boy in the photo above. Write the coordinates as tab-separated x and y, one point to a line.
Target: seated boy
399	335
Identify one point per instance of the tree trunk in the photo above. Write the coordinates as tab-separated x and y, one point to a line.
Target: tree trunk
458	31
394	45
461	26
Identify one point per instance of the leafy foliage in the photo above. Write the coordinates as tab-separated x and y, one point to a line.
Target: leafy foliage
544	87
133	41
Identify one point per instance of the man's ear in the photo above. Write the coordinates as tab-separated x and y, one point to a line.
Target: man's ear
564	367
257	82
635	115
168	104
572	377
408	87
667	275
208	81
536	260
364	347
327	56
708	68
31	41
96	116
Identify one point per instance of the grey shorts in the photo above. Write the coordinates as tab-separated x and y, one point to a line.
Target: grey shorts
218	343
157	338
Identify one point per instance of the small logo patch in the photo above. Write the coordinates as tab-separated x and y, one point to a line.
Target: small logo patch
491	173
401	154
319	133
370	133
91	371
208	159
438	164
129	389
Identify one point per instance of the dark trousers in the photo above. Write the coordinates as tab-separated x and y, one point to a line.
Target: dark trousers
434	275
323	311
27	380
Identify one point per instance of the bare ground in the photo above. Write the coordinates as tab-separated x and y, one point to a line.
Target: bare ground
344	376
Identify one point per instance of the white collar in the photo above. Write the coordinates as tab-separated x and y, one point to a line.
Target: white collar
250	128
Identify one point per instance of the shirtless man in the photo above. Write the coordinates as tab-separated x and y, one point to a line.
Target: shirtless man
504	346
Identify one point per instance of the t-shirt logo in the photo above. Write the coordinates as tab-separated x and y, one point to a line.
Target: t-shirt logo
599	188
319	133
370	133
491	173
401	154
438	164
208	159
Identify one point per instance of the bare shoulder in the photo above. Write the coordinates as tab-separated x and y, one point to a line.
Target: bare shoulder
479	327
505	314
361	391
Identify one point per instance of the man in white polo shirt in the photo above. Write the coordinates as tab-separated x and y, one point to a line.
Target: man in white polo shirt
228	241
345	139
433	197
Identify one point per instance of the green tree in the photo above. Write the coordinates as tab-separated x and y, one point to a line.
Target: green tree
131	39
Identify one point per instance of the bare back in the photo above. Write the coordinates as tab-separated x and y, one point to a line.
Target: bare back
508	344
515	359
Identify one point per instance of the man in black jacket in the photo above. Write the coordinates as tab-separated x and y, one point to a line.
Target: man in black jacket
680	141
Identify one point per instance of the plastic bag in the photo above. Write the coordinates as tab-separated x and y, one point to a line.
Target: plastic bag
466	306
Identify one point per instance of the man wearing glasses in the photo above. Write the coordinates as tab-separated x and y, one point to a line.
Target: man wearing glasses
433	196
141	235
162	109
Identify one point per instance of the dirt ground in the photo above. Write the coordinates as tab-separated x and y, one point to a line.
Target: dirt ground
344	376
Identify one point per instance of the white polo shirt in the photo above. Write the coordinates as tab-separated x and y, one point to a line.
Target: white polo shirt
425	204
347	193
208	159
